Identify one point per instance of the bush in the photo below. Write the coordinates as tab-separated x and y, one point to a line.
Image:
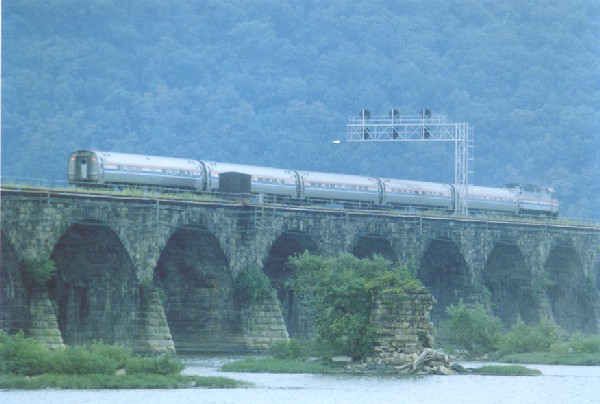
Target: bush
23	356
579	344
291	349
160	365
252	286
471	328
80	360
523	338
36	272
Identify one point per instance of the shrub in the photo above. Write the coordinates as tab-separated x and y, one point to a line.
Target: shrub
159	365
79	360
291	349
252	286
471	328
523	338
583	344
37	271
23	356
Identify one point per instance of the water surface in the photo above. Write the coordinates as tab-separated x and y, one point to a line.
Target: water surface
558	384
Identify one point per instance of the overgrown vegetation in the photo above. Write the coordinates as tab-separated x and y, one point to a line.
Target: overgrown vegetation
252	286
472	330
343	292
291	349
26	364
38	271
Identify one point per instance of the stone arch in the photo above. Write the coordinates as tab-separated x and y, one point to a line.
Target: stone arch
570	293
296	317
507	278
196	288
95	289
444	271
14	315
372	244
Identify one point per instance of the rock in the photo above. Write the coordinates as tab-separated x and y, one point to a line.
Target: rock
443	370
341	359
458	368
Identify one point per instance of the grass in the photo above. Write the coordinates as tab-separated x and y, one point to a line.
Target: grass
507	370
553	358
27	364
100	381
271	365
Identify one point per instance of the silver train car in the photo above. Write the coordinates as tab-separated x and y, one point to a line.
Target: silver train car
88	167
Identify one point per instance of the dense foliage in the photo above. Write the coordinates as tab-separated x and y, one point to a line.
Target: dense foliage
470	328
343	292
38	271
24	356
98	366
272	83
252	286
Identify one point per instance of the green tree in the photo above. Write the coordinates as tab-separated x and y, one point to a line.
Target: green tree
343	291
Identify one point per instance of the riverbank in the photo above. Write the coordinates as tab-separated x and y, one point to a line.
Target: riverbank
553	358
26	364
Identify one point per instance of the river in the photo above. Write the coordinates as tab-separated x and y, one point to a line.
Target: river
558	384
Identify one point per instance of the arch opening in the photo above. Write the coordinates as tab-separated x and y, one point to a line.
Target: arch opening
369	245
506	277
445	273
296	314
196	289
95	288
570	294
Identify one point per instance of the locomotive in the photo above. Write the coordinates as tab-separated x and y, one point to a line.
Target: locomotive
90	167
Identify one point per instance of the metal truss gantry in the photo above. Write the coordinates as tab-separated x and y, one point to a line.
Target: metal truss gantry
423	128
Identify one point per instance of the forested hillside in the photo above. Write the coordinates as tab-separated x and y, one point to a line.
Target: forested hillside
266	82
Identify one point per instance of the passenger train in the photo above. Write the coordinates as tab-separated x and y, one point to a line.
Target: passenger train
88	167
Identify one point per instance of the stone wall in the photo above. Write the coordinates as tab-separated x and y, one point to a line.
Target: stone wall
404	336
263	325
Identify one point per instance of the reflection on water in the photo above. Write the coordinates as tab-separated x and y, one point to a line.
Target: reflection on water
558	384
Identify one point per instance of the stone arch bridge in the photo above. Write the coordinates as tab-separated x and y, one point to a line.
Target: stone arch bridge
158	275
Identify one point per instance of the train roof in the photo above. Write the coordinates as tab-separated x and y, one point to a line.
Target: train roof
416	185
144	160
337	178
251	170
491	191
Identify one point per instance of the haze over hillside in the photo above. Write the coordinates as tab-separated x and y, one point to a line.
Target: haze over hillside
270	83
